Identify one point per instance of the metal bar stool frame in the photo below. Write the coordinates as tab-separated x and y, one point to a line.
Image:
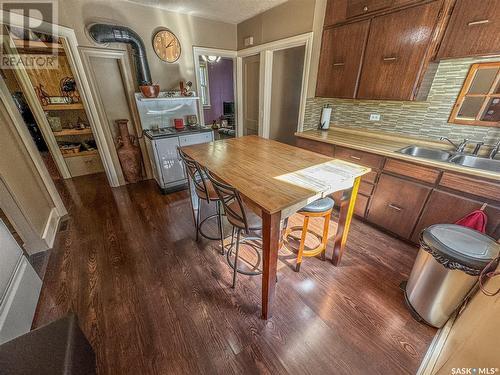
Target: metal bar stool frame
197	177
228	195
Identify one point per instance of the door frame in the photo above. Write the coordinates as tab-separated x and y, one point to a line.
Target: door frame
125	67
225	53
266	52
80	75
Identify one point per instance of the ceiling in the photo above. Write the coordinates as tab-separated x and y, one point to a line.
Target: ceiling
231	11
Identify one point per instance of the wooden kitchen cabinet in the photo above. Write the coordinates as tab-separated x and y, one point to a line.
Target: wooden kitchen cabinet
361	205
338	11
359	7
446	208
340	61
473	30
359	157
396	52
397	204
315	146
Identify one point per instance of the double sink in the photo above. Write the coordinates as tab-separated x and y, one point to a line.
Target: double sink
464	160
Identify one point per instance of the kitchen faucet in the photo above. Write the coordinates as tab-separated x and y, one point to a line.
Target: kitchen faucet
458	148
494	150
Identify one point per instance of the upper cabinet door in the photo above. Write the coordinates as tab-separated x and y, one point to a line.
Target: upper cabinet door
340	61
474	29
395	52
359	7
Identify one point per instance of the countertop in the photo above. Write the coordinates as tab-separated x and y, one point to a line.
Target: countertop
172	132
387	144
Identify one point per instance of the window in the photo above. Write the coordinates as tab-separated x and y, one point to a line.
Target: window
479	101
204	89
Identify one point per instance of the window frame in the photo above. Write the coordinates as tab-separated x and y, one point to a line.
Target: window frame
487	97
205	99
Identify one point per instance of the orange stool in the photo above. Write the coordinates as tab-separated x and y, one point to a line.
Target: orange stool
320	208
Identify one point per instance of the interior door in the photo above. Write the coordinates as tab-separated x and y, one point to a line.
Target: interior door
251	82
395	52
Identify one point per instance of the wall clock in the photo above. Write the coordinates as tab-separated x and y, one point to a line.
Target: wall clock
167	46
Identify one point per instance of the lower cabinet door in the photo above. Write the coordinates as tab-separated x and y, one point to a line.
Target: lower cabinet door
447	208
397	204
361	204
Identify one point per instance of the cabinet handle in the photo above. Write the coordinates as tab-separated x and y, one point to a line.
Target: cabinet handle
390	58
365	8
394	207
354	157
478	22
338	64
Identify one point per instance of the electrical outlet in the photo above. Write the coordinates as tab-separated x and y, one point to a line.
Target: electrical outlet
374	117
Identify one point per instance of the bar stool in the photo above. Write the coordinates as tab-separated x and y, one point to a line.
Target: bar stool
204	191
319	208
243	221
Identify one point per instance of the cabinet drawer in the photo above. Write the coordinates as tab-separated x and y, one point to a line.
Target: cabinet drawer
370	177
193	139
411	170
361	204
366	188
358	7
396	204
315	146
359	157
474	186
82	165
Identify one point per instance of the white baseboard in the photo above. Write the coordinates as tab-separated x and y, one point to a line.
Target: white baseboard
50	231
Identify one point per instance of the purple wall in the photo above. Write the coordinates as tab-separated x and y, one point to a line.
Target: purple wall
220	81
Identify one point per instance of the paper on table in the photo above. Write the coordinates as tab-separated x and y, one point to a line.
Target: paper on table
327	177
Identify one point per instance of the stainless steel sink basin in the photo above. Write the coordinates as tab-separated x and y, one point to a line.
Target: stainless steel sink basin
476	162
426	153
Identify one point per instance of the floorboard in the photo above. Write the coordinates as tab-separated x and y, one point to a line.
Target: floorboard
152	300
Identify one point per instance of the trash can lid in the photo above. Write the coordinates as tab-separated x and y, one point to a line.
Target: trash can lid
462	245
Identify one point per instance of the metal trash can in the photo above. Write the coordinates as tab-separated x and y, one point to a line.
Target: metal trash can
447	266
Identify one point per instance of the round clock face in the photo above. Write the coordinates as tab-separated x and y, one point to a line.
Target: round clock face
167	46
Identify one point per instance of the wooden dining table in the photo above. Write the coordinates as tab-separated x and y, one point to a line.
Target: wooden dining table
276	180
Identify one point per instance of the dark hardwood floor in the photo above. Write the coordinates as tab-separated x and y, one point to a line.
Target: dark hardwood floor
152	300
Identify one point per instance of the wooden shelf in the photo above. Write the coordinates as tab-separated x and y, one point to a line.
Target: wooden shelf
66	132
81	153
37	46
62	107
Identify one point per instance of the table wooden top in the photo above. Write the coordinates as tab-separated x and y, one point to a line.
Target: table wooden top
256	166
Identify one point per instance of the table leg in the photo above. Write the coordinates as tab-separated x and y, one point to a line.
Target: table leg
270	247
345	217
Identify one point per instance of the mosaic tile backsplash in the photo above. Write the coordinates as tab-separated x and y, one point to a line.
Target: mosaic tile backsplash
427	119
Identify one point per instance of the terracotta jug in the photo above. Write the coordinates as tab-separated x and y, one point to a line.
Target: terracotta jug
128	153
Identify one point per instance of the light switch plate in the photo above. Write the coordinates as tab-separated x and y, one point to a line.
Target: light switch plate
374	117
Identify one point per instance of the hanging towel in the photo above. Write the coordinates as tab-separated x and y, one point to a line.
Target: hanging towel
475	220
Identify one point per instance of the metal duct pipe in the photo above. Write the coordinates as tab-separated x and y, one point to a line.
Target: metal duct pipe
104	33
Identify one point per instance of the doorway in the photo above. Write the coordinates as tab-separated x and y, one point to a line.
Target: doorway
216	86
273	80
50	104
286	89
